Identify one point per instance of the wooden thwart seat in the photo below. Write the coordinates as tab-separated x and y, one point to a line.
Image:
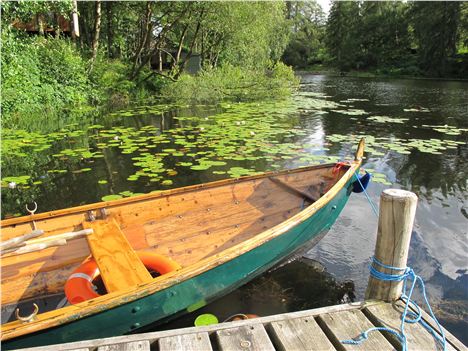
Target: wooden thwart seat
293	190
118	263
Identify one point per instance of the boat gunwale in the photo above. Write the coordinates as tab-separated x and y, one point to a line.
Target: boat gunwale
152	195
105	302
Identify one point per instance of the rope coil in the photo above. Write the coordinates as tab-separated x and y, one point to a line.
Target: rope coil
408	277
407	315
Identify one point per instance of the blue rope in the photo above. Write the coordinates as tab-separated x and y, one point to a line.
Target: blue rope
374	208
407	274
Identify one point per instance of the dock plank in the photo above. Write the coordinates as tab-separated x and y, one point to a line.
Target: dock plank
348	325
387	315
186	342
128	346
451	339
299	334
287	331
246	338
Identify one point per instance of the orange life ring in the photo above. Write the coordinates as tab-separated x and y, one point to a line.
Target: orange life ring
79	287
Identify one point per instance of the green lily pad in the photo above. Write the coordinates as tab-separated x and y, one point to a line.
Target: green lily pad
111	197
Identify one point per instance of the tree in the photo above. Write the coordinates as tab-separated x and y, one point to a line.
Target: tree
435	30
97	31
342	37
307	23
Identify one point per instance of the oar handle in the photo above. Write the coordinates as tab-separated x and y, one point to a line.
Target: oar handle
20	240
34	247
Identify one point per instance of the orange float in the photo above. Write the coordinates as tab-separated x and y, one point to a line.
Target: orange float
79	286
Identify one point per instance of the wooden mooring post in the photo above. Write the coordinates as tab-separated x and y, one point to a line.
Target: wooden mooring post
396	217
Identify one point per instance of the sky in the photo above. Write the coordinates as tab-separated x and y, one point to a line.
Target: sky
325	5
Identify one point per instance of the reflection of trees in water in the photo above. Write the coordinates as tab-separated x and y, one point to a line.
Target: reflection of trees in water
419	172
426	174
448	296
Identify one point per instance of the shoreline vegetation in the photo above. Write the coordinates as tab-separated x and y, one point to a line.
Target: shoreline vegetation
333	71
66	59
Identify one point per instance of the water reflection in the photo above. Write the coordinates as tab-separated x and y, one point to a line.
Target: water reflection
439	246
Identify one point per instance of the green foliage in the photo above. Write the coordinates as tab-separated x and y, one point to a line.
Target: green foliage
39	76
110	78
231	83
397	38
26	10
435	30
248	34
306	46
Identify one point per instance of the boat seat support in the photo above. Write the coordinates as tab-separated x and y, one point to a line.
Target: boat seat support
118	263
292	189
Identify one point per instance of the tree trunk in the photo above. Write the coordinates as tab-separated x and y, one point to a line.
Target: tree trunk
110	30
192	45
41	24
179	49
143	41
76	25
97	30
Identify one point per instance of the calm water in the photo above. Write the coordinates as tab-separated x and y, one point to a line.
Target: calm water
149	148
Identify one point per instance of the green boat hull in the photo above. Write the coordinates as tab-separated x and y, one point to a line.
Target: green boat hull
192	293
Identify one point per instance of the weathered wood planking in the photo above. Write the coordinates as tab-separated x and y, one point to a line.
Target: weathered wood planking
118	263
386	315
299	334
252	338
396	217
296	331
131	346
186	342
347	325
451	339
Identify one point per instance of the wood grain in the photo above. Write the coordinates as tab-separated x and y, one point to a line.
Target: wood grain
252	338
396	217
348	325
418	338
130	346
70	220
118	263
299	334
186	342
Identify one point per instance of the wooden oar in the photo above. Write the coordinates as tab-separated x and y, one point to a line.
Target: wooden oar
20	240
43	243
66	236
34	247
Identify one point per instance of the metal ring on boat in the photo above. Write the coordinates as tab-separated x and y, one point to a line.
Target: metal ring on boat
79	287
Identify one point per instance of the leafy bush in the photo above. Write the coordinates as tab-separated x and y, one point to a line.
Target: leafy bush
110	80
230	83
39	77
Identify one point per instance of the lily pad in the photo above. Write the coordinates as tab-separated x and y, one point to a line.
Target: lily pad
111	197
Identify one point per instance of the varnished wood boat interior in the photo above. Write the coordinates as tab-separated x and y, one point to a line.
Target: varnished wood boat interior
187	225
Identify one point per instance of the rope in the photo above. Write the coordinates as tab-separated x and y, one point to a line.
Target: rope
374	207
407	274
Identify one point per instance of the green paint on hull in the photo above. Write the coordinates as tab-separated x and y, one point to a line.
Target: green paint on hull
204	287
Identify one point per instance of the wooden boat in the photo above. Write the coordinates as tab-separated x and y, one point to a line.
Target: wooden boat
222	234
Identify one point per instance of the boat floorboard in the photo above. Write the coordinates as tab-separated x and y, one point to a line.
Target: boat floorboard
317	329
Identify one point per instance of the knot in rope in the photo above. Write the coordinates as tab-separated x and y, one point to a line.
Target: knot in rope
406	275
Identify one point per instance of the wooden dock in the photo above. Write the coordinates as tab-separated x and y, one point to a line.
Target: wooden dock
317	329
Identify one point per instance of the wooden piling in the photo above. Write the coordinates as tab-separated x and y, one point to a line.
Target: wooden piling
397	211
